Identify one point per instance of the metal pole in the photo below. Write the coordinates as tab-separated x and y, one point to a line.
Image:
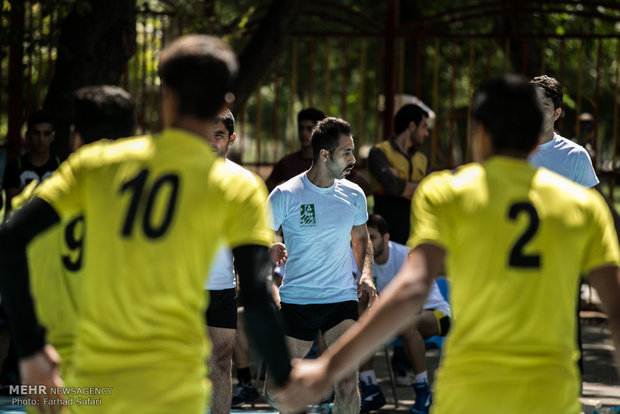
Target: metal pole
390	59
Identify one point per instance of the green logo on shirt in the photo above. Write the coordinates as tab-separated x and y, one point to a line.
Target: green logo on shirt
307	215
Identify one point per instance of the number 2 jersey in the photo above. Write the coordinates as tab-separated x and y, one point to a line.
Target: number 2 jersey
156	209
517	240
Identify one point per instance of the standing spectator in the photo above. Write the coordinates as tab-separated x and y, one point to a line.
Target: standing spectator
293	164
555	152
396	167
37	164
321	215
562	155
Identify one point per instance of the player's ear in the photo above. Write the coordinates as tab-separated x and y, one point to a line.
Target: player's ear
231	139
412	126
556	114
324	154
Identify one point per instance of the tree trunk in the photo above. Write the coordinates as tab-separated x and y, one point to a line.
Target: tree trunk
94	46
263	47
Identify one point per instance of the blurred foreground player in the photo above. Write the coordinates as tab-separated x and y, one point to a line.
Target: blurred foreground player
156	209
518	239
55	258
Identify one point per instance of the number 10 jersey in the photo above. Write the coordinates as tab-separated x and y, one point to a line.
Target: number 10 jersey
156	209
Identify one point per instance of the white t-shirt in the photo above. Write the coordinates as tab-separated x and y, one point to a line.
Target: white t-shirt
384	273
316	224
566	158
222	274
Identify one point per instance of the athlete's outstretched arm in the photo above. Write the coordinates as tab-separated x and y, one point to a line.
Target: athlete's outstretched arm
254	265
398	304
606	281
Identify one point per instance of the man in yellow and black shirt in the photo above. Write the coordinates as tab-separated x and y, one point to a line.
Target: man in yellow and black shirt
516	240
55	258
396	167
156	209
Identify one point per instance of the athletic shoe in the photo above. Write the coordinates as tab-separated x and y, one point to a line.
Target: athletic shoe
244	394
423	398
403	377
372	397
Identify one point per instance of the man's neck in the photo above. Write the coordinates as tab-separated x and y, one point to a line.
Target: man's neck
547	136
319	177
38	159
403	142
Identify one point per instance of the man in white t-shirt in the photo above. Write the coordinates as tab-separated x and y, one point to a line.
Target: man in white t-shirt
221	314
321	215
434	320
555	152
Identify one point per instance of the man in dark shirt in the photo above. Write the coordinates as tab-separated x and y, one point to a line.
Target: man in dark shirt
396	167
38	163
292	164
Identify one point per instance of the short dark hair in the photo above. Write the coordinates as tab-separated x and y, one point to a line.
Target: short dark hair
310	114
510	108
376	221
326	134
201	70
103	112
228	119
40	117
406	114
552	89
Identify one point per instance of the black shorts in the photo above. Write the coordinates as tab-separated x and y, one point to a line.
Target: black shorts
222	310
443	322
304	321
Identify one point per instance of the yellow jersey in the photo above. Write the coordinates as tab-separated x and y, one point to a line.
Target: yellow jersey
517	239
156	209
411	169
55	263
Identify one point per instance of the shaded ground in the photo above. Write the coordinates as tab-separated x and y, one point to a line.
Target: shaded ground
601	382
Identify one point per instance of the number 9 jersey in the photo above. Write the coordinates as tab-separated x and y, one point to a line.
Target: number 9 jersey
156	210
55	262
517	240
